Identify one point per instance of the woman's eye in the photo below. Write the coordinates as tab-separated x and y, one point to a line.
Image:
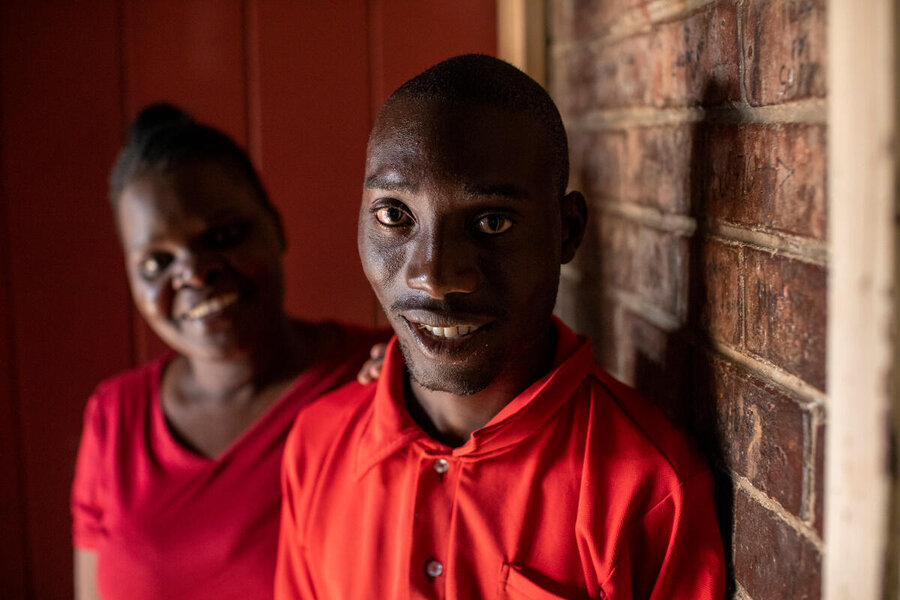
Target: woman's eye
154	264
227	235
493	224
392	216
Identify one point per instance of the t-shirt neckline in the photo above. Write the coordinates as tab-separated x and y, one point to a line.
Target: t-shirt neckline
175	450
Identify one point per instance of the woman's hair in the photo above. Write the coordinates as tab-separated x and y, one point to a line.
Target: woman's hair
163	138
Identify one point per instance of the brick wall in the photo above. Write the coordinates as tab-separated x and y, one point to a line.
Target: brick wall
698	135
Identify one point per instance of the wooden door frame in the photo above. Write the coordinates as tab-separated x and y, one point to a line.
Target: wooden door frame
522	36
860	491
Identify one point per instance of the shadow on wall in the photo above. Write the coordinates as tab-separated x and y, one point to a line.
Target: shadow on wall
672	366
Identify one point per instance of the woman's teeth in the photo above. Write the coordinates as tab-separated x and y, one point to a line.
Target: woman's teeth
449	333
212	305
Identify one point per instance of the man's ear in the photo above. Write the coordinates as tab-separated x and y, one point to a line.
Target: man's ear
574	219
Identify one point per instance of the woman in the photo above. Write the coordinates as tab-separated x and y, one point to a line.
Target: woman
176	492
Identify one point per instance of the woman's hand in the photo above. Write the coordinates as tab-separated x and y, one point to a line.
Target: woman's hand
371	370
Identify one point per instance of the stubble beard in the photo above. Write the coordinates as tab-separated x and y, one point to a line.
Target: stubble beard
456	380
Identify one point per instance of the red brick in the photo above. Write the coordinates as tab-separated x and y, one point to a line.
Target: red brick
658	166
760	431
772	561
585	19
655	362
784	50
768	176
688	62
716	291
618	239
594	18
784	300
606	336
696	59
599	158
613	76
650	263
662	270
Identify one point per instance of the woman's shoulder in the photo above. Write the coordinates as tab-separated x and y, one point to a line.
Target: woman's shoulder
358	336
345	342
127	386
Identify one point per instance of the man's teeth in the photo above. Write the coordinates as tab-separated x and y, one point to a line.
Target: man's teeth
212	305
449	332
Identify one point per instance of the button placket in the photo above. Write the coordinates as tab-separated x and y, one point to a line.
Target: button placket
433	516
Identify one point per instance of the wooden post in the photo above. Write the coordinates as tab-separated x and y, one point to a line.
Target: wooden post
860	532
521	36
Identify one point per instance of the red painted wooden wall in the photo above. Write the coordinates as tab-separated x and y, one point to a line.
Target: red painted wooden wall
297	82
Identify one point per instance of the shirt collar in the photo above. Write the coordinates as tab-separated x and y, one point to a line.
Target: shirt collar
390	427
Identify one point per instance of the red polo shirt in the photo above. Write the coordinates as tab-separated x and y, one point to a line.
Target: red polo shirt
577	488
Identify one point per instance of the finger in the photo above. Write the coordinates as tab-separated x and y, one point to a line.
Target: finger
364	376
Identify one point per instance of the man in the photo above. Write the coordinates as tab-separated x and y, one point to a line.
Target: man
492	459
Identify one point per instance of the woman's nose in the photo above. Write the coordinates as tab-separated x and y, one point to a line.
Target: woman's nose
196	270
442	264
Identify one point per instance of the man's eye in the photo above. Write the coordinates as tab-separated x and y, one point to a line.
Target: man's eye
493	224
392	216
227	236
154	264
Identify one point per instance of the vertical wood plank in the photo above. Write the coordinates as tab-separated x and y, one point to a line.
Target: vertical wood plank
310	123
190	52
13	566
409	36
59	131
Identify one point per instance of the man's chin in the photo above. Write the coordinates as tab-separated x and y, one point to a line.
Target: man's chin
459	380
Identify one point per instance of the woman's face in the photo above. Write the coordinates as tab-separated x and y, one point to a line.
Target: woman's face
203	257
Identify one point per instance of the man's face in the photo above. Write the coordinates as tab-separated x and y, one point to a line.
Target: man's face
460	237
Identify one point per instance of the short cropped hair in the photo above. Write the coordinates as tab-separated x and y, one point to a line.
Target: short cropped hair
163	138
489	81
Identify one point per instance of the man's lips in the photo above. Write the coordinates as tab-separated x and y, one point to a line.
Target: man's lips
445	326
449	333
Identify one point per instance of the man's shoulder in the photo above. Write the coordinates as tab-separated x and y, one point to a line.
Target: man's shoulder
628	423
325	419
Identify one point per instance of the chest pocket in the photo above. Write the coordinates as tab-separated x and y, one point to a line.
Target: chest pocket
514	585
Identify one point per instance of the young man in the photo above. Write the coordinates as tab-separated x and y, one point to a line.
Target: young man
492	459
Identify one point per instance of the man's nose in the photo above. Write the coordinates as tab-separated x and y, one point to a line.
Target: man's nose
441	263
196	270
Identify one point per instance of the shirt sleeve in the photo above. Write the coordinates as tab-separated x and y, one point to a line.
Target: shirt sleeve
86	501
292	577
674	551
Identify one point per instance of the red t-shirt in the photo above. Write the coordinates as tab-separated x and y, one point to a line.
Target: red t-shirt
168	523
577	488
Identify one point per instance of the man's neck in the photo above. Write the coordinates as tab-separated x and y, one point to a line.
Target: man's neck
451	419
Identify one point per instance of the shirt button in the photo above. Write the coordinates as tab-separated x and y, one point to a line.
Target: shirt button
441	465
434	568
